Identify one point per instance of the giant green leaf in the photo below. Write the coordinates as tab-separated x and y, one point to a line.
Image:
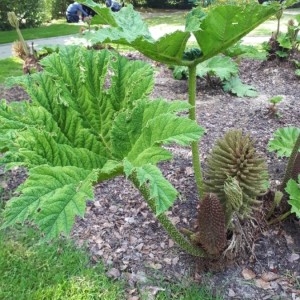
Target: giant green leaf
89	114
227	24
216	30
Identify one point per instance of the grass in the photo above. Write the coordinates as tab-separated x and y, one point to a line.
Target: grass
32	270
183	291
168	17
10	67
58	270
56	28
270	25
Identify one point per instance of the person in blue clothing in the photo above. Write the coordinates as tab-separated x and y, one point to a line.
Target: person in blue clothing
74	11
113	5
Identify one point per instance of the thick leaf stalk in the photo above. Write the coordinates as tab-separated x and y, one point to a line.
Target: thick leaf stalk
194	145
291	162
165	222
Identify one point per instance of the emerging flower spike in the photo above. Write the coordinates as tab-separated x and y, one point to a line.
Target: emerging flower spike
211	221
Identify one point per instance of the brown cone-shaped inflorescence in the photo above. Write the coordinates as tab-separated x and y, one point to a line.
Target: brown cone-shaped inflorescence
211	221
234	156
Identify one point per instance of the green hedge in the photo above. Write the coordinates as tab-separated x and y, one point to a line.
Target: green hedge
31	13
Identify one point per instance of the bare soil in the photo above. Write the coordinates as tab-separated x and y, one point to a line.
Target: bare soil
119	229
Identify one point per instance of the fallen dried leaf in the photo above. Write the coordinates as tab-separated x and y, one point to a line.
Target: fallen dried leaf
293	257
155	266
289	239
262	284
114	273
130	220
171	243
248	274
231	293
189	171
175	260
133	298
175	220
269	276
140	246
168	261
296	292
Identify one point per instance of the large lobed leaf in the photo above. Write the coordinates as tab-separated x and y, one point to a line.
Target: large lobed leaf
225	25
220	66
215	31
284	140
89	114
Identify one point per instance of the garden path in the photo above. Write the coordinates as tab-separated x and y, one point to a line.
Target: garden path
156	31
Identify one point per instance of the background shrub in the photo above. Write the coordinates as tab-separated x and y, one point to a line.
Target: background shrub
58	8
31	13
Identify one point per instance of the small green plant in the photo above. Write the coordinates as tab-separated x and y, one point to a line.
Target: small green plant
240	50
224	69
282	45
297	66
219	66
273	109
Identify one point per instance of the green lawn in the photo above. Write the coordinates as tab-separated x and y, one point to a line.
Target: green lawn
32	270
51	30
10	67
57	270
270	25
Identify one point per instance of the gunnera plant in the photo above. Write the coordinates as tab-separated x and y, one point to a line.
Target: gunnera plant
236	174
